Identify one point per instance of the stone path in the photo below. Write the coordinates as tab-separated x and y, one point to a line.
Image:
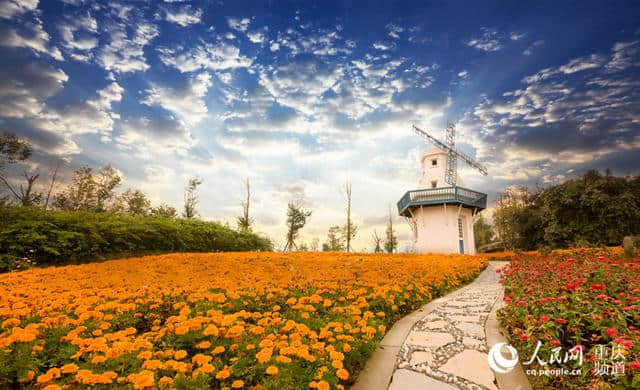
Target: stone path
447	349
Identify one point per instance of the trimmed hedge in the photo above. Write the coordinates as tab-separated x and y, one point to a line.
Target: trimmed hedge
61	237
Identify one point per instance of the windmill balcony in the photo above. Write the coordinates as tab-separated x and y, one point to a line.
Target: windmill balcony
445	195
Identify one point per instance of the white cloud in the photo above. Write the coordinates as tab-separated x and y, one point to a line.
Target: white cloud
217	56
125	53
239	24
184	15
187	102
394	30
514	36
624	55
383	45
274	46
488	41
24	90
463	74
33	36
10	9
256	37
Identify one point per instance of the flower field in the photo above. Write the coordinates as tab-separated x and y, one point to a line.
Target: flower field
580	303
225	320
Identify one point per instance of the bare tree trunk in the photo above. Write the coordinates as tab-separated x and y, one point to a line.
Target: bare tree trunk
53	182
347	191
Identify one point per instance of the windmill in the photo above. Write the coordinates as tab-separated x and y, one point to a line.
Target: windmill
451	169
441	216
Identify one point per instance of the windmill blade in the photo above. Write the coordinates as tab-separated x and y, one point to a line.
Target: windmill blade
441	145
471	162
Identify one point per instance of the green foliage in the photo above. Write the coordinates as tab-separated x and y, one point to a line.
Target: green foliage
296	219
335	241
191	198
59	237
593	209
482	231
391	240
89	190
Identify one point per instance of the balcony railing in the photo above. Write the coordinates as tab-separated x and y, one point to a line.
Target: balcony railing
432	196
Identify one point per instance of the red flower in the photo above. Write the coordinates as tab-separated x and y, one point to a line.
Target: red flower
544	318
635	365
561	321
597	287
601	296
507	299
521	303
582	250
555	342
611	332
571	260
523	336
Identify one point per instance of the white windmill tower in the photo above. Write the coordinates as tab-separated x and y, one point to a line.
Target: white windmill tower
440	212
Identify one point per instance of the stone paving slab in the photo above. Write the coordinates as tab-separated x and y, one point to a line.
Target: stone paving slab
447	349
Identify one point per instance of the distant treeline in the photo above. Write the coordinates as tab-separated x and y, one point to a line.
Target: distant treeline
29	234
593	209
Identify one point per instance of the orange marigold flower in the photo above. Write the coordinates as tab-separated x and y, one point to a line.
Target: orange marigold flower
203	345
342	374
237	384
223	374
52	387
180	354
211	330
142	379
272	370
69	368
323	385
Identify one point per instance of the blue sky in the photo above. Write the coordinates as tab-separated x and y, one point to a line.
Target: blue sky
303	96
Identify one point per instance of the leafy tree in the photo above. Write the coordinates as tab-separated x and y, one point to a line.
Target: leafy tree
482	231
335	240
591	209
88	191
518	220
296	219
391	240
135	202
244	221
164	210
191	198
13	149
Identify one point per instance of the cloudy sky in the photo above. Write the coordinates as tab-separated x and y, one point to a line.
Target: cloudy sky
303	96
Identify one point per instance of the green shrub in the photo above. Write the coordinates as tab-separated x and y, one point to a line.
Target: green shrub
61	237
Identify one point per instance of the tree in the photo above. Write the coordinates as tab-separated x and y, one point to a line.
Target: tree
164	210
88	191
54	176
244	221
106	181
335	240
518	220
482	231
25	196
377	242
391	240
13	149
296	219
191	198
315	243
349	230
135	202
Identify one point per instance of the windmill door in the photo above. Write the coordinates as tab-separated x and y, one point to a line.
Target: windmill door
461	234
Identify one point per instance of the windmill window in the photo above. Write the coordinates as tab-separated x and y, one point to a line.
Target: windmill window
434	162
434	184
460	227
